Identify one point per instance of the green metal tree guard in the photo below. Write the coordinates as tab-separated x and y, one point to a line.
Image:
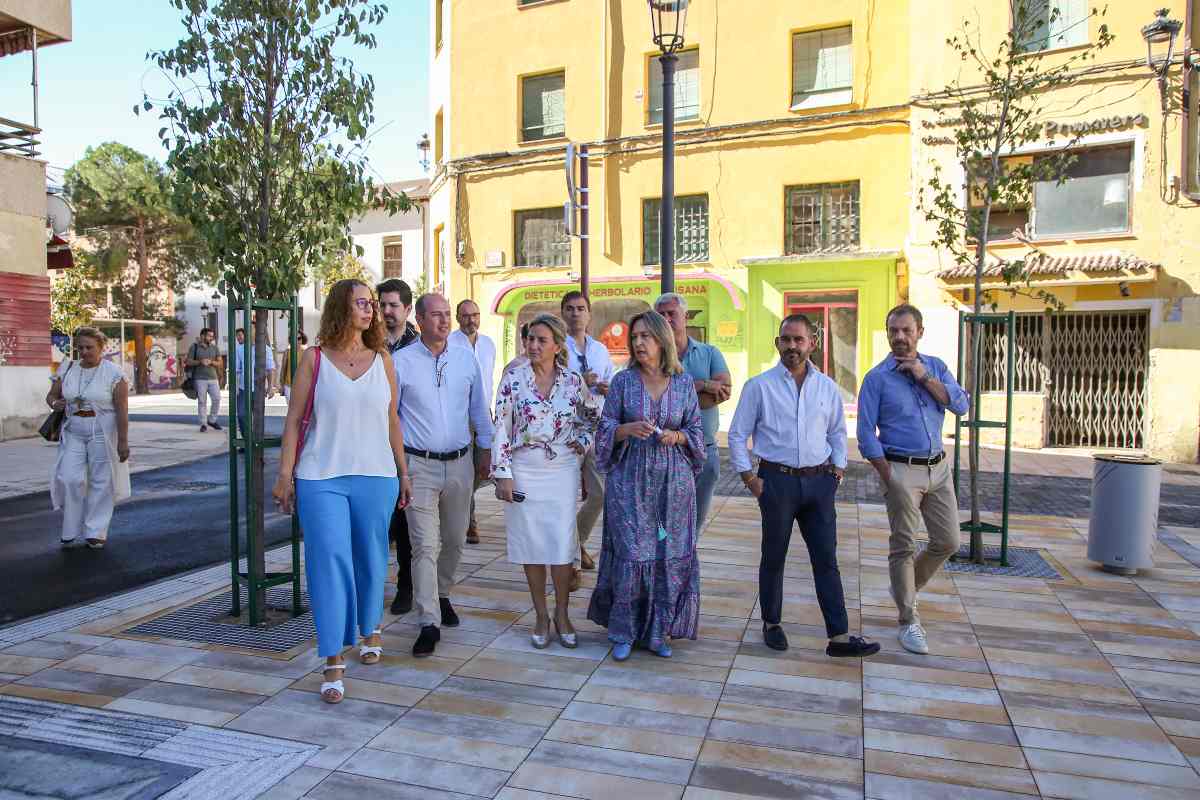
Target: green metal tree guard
975	423
254	578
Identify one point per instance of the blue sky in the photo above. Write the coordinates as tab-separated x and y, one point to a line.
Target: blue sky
89	85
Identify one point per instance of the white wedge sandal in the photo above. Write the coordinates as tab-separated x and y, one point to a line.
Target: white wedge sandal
371	654
332	692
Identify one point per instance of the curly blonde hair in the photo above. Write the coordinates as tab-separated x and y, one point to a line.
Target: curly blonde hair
335	318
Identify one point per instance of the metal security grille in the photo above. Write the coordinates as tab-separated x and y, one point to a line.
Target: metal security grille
824	217
1030	366
541	238
1098	365
691	229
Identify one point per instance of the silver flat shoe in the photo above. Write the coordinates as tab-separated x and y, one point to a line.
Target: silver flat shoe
539	642
568	640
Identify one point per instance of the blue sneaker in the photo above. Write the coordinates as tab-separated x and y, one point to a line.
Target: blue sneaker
664	651
621	651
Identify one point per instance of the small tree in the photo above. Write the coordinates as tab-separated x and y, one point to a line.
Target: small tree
72	300
265	127
998	106
123	212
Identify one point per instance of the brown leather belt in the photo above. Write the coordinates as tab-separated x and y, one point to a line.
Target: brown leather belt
84	414
801	472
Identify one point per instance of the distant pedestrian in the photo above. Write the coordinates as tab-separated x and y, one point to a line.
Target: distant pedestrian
590	359
395	301
468	336
90	472
441	401
204	359
707	367
901	408
243	375
285	371
344	482
794	414
542	432
520	357
650	442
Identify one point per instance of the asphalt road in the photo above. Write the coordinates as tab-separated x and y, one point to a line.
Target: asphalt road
177	520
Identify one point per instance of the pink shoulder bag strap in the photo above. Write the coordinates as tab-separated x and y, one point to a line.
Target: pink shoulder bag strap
306	420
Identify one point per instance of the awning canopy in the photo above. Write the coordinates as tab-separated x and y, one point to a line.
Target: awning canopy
58	254
1044	267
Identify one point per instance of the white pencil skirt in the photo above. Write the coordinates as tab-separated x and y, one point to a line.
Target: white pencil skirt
541	530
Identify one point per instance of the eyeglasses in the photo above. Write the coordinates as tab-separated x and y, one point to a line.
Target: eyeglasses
439	371
363	304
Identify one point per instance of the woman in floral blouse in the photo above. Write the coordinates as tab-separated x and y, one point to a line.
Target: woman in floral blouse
542	430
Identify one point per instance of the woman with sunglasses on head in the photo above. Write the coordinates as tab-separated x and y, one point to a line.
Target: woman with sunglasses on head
542	431
344	481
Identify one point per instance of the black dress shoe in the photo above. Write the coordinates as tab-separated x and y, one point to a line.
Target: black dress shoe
427	641
774	637
857	647
449	617
214	426
402	603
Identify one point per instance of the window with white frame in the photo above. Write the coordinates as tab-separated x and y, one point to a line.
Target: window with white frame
1050	24
691	229
687	87
543	107
1094	198
541	238
1193	121
822	68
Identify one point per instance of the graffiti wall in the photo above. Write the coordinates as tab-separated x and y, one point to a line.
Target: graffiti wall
161	358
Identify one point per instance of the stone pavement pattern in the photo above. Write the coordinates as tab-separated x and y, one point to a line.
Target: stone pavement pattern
1087	687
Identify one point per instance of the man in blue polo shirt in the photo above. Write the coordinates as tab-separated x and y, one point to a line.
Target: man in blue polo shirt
707	367
901	408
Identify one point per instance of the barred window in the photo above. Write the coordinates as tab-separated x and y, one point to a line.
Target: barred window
691	229
822	217
541	238
393	257
543	107
822	68
687	87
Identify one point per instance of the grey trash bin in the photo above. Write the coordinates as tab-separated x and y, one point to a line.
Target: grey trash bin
1124	522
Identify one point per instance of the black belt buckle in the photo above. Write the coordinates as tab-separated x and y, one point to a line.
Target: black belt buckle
429	454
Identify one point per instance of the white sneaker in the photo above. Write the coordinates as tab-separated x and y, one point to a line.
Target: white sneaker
912	639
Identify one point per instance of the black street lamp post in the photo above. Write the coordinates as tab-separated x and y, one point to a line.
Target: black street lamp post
668	19
1163	30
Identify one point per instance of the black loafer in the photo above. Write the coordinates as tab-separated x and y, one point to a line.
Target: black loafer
214	426
449	618
427	642
402	603
857	647
774	637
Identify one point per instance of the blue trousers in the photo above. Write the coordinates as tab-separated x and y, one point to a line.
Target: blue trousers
706	484
787	500
345	522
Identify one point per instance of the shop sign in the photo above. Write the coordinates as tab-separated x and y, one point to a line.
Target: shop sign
642	291
728	334
1116	122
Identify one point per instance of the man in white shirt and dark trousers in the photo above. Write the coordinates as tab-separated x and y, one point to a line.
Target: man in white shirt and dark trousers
590	359
441	400
794	414
468	336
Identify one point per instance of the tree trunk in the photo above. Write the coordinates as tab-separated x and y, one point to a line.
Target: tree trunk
141	379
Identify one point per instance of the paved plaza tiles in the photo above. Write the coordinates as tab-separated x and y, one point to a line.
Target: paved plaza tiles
1084	687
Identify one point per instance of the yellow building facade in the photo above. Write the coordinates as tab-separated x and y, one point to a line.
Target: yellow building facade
799	156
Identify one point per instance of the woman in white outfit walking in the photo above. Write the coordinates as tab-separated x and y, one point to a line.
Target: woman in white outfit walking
90	474
541	432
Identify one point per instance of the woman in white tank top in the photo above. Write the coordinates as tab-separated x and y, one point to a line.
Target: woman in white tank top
349	476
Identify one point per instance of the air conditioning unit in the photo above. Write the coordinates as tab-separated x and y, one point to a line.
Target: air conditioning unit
493	258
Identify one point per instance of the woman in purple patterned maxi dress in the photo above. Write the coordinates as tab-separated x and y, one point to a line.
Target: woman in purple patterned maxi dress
650	442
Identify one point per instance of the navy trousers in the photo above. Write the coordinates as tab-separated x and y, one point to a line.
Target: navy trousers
807	501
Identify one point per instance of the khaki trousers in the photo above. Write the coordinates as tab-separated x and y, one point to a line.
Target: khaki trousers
437	525
589	512
917	492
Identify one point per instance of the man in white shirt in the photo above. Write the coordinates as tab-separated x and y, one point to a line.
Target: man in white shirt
468	336
241	374
441	400
590	359
794	414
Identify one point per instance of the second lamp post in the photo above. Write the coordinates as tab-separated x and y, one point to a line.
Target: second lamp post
668	19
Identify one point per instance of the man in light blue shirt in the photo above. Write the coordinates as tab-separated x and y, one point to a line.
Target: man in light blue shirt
707	367
240	379
901	408
794	414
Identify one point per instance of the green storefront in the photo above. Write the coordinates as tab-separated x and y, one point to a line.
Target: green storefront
739	311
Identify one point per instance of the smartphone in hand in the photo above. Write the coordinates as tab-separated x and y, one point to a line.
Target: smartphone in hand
518	497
